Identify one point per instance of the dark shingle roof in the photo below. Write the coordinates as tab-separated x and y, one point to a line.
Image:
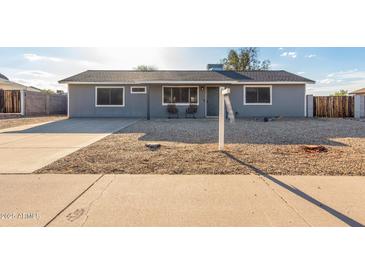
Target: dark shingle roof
2	76
359	91
133	76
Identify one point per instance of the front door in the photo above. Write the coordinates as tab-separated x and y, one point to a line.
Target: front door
212	101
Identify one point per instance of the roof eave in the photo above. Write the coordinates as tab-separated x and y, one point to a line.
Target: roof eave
184	82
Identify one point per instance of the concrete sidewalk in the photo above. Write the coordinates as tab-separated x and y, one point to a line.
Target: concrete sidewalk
34	200
182	200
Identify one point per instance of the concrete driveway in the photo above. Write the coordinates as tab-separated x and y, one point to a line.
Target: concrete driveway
181	200
25	149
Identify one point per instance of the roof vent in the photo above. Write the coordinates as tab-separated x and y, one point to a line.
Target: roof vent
218	67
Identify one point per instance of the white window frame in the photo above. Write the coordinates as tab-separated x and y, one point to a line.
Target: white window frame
133	92
96	96
257	86
180	104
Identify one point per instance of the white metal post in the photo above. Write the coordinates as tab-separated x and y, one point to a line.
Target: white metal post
22	102
68	101
221	119
309	106
357	105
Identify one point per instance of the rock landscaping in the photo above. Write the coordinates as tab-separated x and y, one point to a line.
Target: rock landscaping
279	147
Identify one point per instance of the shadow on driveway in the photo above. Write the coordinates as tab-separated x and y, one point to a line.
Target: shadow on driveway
298	192
80	125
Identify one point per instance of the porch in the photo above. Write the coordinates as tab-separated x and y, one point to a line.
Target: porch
191	102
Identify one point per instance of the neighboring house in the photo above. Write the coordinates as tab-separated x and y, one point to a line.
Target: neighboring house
130	93
358	92
3	77
359	107
31	88
17	99
6	84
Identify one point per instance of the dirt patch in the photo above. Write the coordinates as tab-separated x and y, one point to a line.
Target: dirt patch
8	123
190	147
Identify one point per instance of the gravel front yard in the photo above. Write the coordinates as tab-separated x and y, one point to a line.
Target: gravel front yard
14	122
190	147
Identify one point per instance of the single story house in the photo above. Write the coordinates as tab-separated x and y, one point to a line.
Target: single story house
6	84
145	94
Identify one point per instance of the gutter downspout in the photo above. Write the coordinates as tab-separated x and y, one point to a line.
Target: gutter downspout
148	103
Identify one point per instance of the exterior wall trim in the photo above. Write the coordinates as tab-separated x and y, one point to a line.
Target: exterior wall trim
96	98
145	89
257	104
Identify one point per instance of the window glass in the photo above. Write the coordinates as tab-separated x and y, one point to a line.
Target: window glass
180	95
193	95
176	95
116	96
167	96
184	95
264	95
257	95
110	96
103	96
138	89
251	95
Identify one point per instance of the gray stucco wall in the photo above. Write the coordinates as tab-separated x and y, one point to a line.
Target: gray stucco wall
82	103
287	100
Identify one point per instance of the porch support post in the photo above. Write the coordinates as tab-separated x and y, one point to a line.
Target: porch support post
221	119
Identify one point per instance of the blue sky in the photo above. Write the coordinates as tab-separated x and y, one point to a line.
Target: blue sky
331	68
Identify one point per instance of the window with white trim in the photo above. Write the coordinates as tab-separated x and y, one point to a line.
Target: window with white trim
139	89
110	96
257	95
180	95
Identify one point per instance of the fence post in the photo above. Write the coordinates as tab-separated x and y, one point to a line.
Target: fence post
357	105
47	103
310	106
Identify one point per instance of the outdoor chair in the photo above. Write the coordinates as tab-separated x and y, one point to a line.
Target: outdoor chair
172	111
191	110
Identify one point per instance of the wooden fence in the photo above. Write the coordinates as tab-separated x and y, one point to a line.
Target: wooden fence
333	106
10	101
